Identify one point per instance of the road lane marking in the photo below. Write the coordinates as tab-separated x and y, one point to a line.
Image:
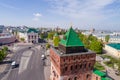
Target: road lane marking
24	61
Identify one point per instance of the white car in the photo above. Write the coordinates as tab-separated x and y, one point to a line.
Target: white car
13	64
43	57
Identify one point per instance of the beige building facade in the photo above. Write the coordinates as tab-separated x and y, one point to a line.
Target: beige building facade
30	36
113	49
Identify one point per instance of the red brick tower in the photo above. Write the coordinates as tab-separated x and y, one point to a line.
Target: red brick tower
71	61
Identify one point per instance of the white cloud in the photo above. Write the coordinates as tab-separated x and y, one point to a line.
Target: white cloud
88	10
37	16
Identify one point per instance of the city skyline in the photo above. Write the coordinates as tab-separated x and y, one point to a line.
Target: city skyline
84	14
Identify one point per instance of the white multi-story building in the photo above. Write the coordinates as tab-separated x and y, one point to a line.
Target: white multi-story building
114	36
30	36
113	49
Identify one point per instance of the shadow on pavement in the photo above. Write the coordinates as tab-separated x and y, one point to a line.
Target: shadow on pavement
5	62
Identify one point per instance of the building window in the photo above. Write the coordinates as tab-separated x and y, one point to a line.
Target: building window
96	78
65	68
74	58
80	66
89	64
79	58
54	73
85	65
64	60
69	79
29	36
75	66
69	60
88	77
71	67
75	78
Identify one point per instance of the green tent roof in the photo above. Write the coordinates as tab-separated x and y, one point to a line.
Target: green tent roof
99	73
105	78
30	30
71	39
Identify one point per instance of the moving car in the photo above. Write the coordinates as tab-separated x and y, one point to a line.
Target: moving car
13	64
43	57
29	47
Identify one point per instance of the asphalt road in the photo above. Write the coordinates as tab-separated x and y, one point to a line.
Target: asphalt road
35	68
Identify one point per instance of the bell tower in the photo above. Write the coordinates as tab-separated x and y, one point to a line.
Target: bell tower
71	60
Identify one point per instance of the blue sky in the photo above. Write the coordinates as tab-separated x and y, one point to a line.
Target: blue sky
84	14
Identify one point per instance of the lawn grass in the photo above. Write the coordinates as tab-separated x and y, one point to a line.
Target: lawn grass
98	66
112	61
109	64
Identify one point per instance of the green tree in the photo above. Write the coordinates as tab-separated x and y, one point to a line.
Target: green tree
50	35
2	54
42	36
92	38
22	39
5	48
86	42
118	65
56	41
61	32
96	46
47	46
81	36
98	66
107	37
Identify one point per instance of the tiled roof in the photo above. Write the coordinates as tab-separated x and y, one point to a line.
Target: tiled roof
71	39
30	30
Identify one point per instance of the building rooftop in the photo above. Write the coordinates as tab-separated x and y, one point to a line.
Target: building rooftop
115	45
71	39
30	30
58	52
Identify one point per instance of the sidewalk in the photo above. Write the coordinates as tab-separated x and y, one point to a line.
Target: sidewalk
5	65
47	68
110	72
